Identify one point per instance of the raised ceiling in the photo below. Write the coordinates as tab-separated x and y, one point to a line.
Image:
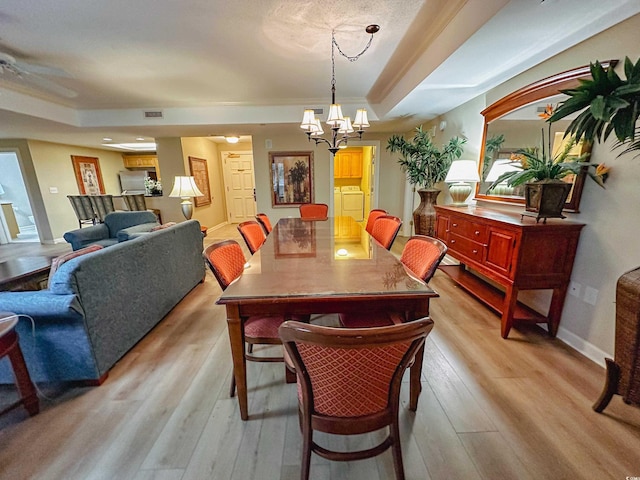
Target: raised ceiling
231	67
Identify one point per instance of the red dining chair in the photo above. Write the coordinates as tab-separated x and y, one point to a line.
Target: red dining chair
263	220
373	216
349	383
421	255
385	229
314	211
253	235
226	261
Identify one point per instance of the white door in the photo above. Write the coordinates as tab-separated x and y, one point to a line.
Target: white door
239	186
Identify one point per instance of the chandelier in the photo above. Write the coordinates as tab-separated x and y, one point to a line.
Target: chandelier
341	127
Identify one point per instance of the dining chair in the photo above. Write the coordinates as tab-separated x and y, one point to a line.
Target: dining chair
349	383
253	235
226	261
385	229
314	211
102	205
81	205
373	216
421	255
263	220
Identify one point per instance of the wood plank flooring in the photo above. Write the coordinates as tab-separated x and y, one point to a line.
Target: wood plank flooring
490	409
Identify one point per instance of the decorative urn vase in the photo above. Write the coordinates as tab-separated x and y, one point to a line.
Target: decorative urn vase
424	217
546	199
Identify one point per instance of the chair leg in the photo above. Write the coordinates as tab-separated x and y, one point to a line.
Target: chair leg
396	449
232	389
307	440
610	387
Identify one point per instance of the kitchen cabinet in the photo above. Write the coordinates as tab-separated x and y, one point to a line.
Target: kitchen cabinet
516	253
142	161
347	165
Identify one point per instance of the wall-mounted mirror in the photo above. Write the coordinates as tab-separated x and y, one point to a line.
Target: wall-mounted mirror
513	123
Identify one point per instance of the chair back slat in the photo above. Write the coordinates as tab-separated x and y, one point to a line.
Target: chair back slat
135	202
422	255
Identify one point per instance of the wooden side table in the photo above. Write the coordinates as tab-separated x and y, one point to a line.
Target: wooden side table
9	346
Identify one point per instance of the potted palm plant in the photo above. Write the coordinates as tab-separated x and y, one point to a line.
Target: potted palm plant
608	103
542	175
425	166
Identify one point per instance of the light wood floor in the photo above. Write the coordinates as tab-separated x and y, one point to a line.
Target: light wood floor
490	409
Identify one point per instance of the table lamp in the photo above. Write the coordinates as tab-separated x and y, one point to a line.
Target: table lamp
186	188
460	174
500	166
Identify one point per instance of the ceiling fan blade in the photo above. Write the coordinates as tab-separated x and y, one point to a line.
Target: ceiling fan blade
47	85
41	69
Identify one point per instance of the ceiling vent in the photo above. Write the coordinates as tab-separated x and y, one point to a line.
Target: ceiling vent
153	114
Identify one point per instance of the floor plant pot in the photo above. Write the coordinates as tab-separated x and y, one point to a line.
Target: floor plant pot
546	199
424	217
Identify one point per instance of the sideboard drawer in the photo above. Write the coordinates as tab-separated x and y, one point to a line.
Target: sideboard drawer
467	247
465	228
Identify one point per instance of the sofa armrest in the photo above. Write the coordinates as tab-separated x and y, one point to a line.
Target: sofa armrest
82	237
135	231
41	304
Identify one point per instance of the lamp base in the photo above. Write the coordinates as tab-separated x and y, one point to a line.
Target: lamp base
459	193
187	208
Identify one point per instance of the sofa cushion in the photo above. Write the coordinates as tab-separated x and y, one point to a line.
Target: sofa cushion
164	225
56	262
117	221
135	231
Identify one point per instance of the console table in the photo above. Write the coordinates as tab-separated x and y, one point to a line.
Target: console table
516	253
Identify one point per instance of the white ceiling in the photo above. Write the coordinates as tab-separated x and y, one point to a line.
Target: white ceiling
216	67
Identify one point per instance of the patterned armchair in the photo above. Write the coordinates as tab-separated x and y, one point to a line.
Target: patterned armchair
349	383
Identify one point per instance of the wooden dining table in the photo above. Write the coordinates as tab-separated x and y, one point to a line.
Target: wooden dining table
320	267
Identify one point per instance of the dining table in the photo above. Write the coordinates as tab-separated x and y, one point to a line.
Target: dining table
329	266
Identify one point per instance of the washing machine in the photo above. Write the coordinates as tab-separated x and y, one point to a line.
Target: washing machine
353	202
337	202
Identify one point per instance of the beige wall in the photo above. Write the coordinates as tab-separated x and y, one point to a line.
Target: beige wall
609	242
200	147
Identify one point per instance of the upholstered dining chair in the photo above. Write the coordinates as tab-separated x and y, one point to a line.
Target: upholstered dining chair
421	255
373	216
226	261
102	205
263	220
349	383
81	205
314	211
253	235
385	229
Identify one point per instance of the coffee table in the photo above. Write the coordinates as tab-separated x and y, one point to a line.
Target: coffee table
24	273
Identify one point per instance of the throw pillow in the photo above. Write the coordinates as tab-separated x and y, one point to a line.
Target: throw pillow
164	225
56	262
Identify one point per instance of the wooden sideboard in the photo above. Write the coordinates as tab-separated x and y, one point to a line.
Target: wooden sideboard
516	253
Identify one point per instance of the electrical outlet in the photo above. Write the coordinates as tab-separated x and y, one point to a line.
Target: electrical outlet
574	289
590	295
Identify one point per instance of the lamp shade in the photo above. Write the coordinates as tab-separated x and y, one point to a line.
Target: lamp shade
185	187
463	171
1	190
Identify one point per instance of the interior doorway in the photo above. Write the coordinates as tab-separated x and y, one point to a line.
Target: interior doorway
239	186
354	181
16	214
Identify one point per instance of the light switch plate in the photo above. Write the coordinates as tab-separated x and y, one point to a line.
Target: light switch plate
53	189
590	295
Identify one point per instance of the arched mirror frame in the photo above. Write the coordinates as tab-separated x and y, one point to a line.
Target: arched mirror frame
547	87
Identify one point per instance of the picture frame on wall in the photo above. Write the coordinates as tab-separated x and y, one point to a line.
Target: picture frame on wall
291	178
200	173
88	175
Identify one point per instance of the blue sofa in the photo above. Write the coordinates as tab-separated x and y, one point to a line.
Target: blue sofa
99	305
117	227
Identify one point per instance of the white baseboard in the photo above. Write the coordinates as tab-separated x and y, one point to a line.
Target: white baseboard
587	349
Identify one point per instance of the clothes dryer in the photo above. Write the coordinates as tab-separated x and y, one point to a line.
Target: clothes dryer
353	202
337	202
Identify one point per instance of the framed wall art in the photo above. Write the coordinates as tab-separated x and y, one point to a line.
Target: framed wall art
291	178
200	173
88	175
